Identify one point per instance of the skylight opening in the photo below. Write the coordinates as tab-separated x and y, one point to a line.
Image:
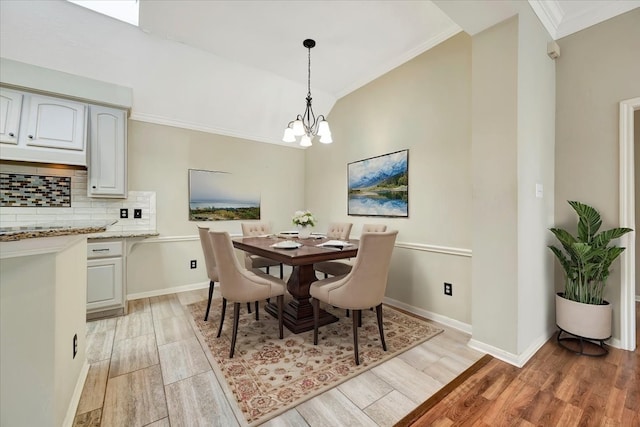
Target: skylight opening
123	10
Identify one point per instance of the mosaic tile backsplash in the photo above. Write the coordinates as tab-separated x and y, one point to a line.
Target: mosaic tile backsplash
23	190
82	207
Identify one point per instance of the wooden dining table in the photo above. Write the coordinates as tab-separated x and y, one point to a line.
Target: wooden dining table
298	313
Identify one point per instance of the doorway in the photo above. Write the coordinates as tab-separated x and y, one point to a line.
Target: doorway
627	219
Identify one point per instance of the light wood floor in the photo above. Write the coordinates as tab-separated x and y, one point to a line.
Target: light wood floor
555	388
148	369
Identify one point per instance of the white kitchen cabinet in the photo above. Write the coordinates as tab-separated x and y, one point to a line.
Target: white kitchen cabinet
107	169
10	110
105	280
55	123
51	130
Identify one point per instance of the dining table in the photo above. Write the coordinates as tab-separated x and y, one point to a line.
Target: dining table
298	313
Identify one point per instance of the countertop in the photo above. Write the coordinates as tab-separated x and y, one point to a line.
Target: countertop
93	230
59	228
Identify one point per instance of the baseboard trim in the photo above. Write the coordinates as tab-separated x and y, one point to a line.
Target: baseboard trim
75	397
517	360
166	291
447	321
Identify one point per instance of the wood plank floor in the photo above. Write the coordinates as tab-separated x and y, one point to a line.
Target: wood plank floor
555	388
148	369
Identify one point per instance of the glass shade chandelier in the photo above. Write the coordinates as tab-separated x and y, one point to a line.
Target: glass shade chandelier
308	125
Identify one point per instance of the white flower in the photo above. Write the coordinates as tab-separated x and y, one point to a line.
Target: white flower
303	218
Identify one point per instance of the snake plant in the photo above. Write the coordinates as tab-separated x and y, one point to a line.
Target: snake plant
587	257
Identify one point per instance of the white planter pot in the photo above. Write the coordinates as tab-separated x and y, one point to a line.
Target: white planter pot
584	320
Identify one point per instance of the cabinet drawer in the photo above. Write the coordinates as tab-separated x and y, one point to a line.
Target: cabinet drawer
104	249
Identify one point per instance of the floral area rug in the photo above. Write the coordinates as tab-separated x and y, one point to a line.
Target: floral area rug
268	375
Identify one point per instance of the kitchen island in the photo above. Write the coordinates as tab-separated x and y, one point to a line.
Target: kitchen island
42	329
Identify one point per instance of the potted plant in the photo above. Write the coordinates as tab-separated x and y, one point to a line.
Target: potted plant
586	259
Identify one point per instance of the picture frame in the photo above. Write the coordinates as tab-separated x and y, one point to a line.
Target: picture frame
221	196
379	186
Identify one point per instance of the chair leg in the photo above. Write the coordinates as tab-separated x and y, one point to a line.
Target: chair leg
224	310
326	276
359	318
348	312
281	271
356	315
267	270
236	318
249	307
280	315
206	315
316	318
257	315
379	316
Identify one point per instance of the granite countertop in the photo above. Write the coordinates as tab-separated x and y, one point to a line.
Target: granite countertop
60	228
123	234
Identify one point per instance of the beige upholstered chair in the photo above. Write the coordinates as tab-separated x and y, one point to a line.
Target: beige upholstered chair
250	229
212	269
338	268
240	285
339	230
362	288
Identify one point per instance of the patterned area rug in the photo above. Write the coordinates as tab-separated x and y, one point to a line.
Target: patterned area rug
268	376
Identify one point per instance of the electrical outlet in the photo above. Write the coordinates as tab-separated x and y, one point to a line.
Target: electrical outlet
75	345
137	213
448	289
124	213
194	263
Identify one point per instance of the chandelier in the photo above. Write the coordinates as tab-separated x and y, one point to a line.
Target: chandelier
308	125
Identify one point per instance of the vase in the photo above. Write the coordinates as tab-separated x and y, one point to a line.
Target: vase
584	320
304	232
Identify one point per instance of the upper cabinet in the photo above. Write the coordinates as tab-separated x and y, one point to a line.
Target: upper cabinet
107	174
39	128
56	123
10	108
45	129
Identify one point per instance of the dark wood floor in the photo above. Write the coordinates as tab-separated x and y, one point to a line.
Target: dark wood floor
555	388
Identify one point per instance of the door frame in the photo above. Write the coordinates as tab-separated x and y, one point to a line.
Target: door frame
627	219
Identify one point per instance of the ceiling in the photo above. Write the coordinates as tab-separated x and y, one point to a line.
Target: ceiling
357	41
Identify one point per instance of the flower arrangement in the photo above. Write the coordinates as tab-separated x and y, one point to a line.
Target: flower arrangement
303	219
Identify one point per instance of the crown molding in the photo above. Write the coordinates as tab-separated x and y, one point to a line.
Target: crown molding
560	24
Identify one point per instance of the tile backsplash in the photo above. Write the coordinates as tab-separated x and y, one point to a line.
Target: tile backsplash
22	190
81	207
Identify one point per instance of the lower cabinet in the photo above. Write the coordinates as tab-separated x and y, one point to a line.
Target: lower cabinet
105	279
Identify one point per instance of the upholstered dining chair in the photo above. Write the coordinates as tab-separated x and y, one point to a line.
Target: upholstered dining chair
362	288
339	230
251	229
340	267
240	285
212	269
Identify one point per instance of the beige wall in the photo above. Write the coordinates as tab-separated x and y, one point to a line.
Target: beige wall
158	160
424	106
598	68
495	186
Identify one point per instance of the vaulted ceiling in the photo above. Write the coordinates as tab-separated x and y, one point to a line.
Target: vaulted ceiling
357	41
238	68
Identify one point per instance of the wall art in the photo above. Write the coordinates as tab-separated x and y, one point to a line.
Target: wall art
379	186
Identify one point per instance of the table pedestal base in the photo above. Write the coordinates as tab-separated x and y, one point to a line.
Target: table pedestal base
298	316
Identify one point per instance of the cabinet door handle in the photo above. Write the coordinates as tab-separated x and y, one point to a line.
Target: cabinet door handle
101	250
93	186
30	136
11	134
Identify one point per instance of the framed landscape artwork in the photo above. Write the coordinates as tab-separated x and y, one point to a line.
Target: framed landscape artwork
379	186
219	196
